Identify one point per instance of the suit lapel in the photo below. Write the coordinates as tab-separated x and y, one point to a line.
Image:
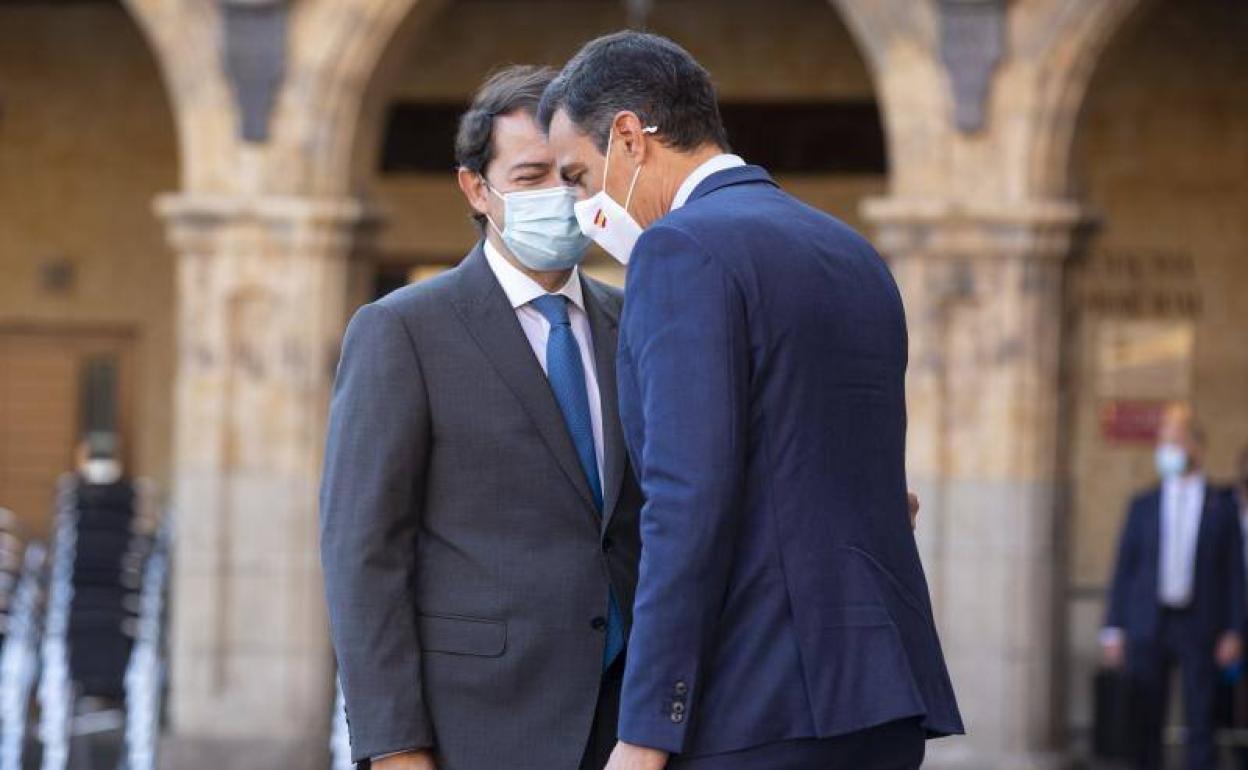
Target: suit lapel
490	318
1154	531
1204	531
604	325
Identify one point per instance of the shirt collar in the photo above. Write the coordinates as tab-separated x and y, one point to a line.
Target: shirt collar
721	162
521	289
1185	483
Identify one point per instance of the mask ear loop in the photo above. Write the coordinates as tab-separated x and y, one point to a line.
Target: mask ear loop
490	188
628	199
489	219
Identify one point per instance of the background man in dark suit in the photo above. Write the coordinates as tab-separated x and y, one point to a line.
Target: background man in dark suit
1177	594
782	617
479	520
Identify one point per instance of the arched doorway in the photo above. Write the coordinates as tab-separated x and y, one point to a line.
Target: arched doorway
87	298
87	305
1155	307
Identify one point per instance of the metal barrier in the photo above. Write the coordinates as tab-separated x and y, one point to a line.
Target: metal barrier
145	674
55	686
19	660
104	628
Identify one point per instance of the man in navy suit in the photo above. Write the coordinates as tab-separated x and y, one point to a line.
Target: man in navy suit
1177	595
782	618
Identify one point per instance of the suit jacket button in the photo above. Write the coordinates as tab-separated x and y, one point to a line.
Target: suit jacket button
681	688
678	707
677	717
607	545
598	623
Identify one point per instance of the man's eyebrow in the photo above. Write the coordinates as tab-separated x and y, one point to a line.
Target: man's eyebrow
530	166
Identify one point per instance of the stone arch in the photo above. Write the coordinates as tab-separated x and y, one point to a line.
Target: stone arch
1020	155
345	59
334	48
893	37
337	51
189	63
1074	46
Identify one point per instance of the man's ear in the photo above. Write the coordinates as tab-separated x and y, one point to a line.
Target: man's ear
475	191
630	133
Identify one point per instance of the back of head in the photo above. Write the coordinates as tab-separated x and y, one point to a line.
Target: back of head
641	73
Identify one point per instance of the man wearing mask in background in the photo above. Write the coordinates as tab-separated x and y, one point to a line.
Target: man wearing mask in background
478	515
1177	594
98	457
782	617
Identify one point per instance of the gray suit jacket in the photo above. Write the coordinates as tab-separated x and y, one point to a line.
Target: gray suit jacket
466	566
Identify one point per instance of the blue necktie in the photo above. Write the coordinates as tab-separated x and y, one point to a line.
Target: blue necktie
566	372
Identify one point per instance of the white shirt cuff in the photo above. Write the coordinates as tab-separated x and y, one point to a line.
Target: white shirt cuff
1110	635
380	757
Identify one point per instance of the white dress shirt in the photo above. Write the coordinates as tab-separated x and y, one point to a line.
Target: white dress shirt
521	290
721	162
1182	501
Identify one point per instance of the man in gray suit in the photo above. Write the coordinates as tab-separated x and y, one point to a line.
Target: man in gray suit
478	516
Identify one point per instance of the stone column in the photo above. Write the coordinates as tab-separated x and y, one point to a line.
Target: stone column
262	295
983	293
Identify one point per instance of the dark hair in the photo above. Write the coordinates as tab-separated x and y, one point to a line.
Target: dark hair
518	87
642	73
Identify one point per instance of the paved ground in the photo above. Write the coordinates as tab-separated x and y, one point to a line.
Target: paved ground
101	751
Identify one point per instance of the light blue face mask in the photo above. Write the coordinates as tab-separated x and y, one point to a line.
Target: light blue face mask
541	228
1171	461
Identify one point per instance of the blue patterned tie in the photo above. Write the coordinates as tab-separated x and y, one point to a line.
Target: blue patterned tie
566	372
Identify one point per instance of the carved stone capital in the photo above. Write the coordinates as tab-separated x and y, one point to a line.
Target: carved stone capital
1044	229
195	221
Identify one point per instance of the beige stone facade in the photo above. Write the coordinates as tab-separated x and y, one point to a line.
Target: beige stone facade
1097	183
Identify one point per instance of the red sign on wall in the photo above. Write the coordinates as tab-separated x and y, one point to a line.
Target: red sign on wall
1131	421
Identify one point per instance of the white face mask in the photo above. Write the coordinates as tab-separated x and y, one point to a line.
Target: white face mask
101	470
608	223
540	229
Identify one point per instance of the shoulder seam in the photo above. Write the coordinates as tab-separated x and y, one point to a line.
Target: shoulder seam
411	341
728	269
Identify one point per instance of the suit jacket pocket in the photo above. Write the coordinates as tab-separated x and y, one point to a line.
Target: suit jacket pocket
462	636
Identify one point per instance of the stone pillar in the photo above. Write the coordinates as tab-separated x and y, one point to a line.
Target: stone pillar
262	295
983	293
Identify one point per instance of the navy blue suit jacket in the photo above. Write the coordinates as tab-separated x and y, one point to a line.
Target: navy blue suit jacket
762	371
1218	588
